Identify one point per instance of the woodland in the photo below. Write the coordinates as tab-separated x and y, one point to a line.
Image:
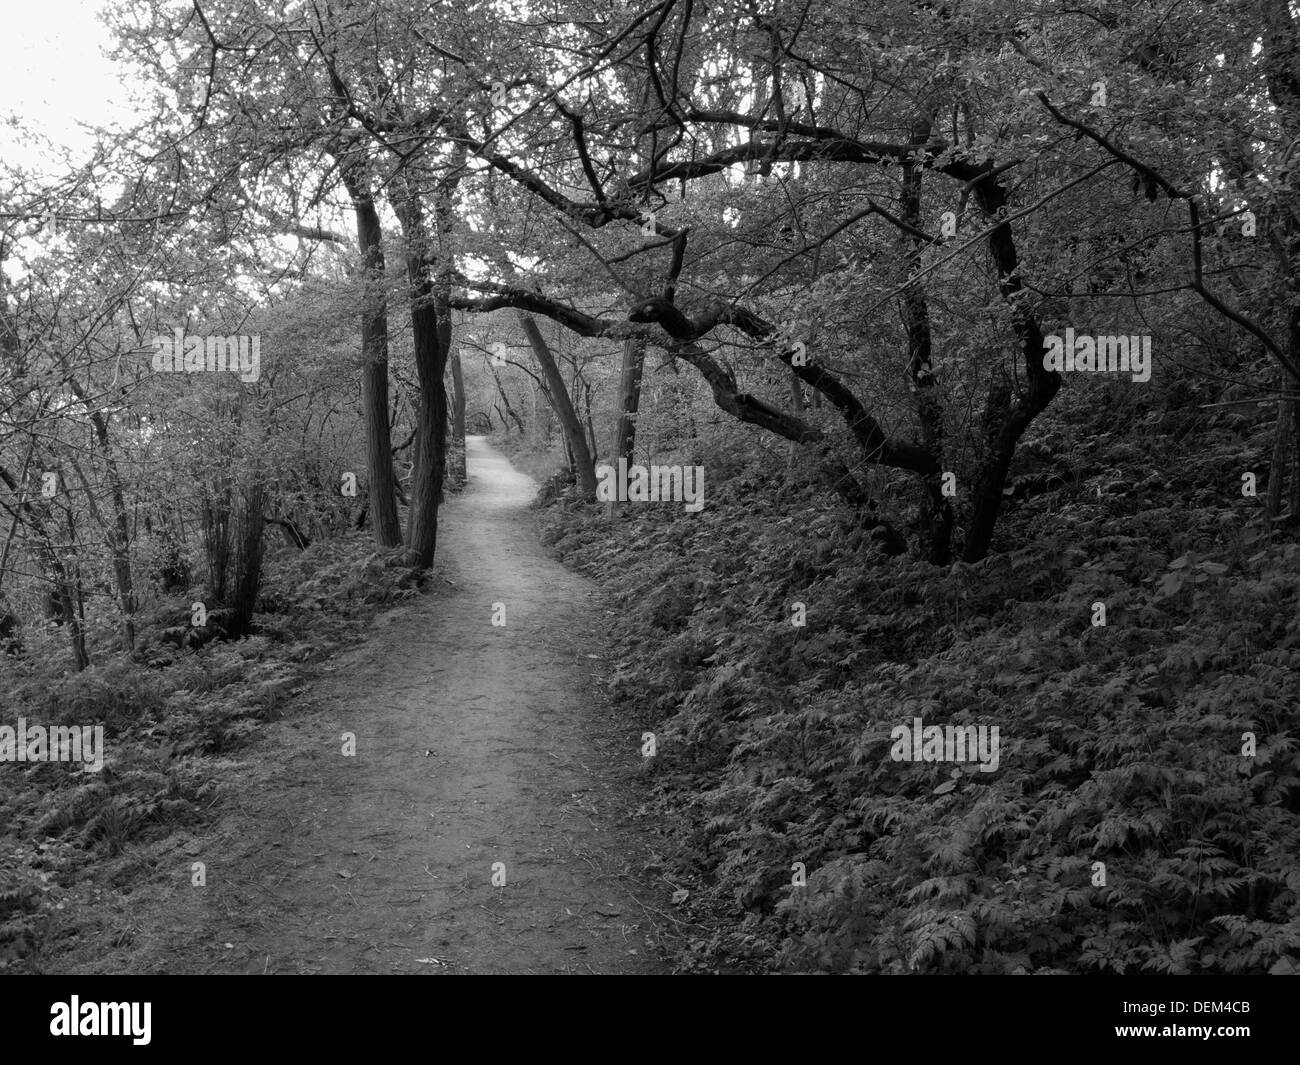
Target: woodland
818	250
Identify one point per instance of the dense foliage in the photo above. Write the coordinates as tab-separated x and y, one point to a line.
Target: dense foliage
1121	743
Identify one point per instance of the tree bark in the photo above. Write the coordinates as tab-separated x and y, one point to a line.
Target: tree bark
936	511
374	367
592	446
458	471
428	333
431	342
1282	450
629	398
119	532
505	400
1006	420
576	439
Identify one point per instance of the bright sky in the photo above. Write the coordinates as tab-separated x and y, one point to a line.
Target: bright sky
53	74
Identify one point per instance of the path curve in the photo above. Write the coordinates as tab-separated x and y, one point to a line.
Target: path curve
476	745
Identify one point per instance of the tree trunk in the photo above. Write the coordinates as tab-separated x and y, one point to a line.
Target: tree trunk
936	512
1282	450
216	519
119	530
431	341
797	407
74	599
629	399
73	608
505	400
248	566
563	407
1006	419
173	569
592	447
300	539
374	367
430	433
458	471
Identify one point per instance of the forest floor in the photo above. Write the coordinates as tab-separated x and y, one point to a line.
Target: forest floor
475	745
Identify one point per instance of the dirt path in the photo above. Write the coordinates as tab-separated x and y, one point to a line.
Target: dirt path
475	745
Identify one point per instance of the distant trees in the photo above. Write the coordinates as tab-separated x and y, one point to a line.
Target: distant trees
853	230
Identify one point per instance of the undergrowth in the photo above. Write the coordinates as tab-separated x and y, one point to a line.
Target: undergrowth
171	721
1123	830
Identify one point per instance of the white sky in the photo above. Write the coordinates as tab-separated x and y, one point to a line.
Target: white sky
53	74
